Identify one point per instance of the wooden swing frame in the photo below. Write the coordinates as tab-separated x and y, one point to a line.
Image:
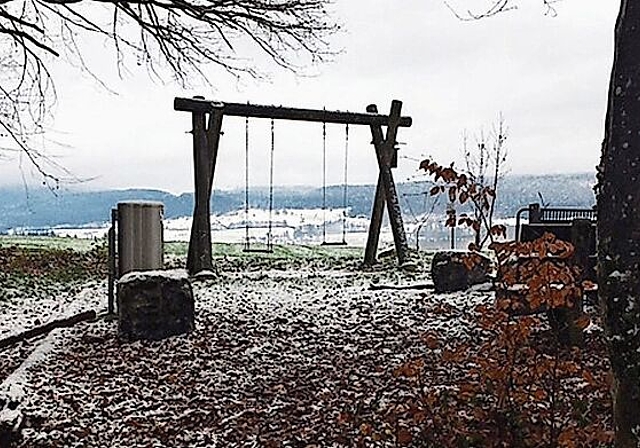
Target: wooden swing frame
207	125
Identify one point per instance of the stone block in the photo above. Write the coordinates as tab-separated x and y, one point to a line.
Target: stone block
457	270
155	305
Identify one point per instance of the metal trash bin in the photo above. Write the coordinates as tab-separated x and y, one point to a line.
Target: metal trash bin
140	239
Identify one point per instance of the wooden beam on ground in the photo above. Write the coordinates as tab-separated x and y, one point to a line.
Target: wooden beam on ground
285	113
47	328
379	287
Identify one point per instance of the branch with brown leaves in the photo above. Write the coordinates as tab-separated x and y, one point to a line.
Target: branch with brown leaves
462	188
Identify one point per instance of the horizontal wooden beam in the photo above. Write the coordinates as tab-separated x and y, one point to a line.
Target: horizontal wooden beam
285	113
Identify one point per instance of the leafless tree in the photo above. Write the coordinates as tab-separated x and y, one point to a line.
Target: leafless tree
485	162
171	38
496	7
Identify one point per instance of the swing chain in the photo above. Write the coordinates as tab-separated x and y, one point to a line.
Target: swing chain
246	184
324	181
273	145
346	184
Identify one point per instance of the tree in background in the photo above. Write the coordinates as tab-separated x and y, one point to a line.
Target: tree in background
171	38
485	164
618	201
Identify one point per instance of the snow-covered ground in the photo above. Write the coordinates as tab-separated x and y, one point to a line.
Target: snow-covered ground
279	357
47	302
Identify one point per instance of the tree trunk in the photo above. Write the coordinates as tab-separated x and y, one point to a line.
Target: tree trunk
619	225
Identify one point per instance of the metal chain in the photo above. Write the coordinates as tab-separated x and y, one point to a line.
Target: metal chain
324	182
345	192
246	183
273	139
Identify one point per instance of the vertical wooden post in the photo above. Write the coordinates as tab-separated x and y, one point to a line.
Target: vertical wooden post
564	321
111	235
386	188
205	151
375	224
535	214
581	230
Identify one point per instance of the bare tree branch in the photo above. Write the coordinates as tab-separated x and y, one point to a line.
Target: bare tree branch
497	7
486	166
173	39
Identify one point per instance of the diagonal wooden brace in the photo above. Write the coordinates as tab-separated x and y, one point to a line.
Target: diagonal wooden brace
386	189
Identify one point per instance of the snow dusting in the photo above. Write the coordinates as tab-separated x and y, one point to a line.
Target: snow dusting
277	356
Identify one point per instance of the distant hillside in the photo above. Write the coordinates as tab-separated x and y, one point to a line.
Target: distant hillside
518	191
41	208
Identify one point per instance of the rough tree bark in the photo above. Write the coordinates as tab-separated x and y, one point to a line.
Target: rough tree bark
619	225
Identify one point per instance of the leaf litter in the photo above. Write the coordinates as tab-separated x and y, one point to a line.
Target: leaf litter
298	356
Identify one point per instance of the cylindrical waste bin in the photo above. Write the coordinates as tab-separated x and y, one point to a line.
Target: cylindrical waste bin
140	242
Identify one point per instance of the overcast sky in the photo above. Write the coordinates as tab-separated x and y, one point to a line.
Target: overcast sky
547	75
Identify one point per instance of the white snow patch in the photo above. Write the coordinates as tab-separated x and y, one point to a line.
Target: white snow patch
482	287
619	275
171	274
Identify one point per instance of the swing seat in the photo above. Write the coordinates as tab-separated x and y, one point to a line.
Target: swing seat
334	243
258	251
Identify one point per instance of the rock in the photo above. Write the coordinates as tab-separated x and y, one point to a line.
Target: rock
155	305
458	270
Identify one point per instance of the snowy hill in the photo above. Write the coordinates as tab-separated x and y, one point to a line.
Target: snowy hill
41	209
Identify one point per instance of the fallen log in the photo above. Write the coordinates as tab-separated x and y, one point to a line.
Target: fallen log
47	328
13	390
379	287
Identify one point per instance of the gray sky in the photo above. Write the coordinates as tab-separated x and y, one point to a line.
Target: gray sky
547	75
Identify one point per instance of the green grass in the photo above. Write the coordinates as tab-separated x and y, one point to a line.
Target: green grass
180	248
279	251
49	242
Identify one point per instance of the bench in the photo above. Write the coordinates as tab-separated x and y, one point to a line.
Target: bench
561	222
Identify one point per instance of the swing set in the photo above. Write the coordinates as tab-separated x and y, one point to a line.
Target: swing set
207	119
268	247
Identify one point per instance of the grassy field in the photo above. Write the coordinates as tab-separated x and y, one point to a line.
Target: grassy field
179	249
73	258
279	251
49	242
